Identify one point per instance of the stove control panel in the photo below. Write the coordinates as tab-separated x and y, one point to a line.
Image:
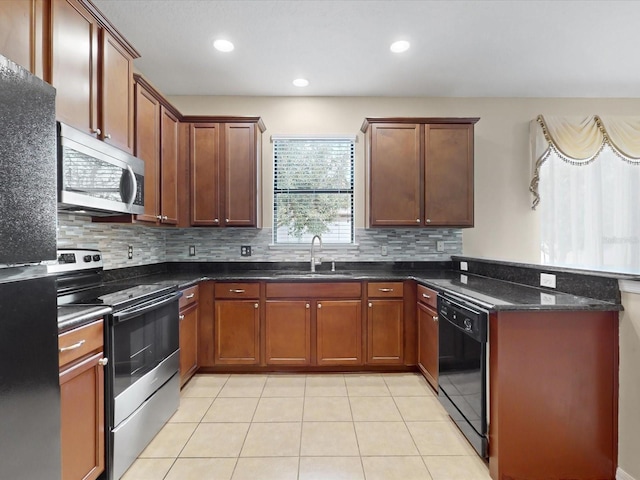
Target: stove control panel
76	259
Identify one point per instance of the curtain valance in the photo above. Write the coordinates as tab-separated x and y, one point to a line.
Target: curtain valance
579	141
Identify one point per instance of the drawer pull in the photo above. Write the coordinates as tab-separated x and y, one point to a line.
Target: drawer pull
386	290
191	295
103	361
72	347
426	296
236	290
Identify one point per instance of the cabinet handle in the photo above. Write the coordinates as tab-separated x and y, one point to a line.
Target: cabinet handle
236	290
103	361
306	306
107	135
159	217
370	304
255	305
97	131
190	296
417	220
164	217
226	220
181	317
435	319
72	347
428	220
386	290
426	296
319	305
216	220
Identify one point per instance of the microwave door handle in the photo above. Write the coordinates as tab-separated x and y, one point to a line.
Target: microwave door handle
134	190
147	307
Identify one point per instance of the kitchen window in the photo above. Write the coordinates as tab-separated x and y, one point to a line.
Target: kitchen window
313	189
587	184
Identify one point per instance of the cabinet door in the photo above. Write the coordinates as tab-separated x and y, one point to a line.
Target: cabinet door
237	324
240	186
395	170
21	33
188	342
74	64
385	331
82	416
147	148
169	167
428	343
339	332
288	332
205	175
116	102
449	175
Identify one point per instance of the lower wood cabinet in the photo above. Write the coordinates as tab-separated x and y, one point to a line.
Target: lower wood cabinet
288	332
339	332
428	335
385	323
188	334
82	402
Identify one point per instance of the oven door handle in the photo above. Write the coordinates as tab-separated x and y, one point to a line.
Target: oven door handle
146	307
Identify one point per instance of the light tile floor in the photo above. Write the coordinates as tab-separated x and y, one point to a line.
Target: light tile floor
309	427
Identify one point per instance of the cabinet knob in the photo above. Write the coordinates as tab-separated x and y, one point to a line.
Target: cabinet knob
216	220
164	217
435	318
103	361
181	317
97	131
319	305
159	217
370	304
306	306
417	220
226	220
107	135
255	305
428	220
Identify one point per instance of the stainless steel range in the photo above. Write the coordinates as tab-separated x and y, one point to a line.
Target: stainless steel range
141	338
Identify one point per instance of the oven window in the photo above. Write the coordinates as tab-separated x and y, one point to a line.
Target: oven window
141	343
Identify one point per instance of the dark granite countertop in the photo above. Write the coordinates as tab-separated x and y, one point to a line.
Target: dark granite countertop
73	316
490	293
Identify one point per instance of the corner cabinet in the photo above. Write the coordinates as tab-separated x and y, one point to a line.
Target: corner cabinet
81	365
419	172
225	161
91	67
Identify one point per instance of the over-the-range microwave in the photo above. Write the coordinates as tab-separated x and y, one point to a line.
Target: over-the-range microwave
95	178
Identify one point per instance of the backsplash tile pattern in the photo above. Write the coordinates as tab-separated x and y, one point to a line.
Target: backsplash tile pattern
154	245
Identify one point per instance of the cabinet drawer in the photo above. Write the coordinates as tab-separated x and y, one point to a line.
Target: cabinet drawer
428	296
314	290
237	290
385	290
79	342
189	296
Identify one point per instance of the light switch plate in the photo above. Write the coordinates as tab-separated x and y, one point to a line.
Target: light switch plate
440	246
192	250
548	280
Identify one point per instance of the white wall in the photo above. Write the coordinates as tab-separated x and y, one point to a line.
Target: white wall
505	226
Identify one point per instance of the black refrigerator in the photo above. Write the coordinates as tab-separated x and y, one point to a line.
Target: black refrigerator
29	388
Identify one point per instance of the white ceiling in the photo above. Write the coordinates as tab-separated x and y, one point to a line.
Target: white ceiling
476	48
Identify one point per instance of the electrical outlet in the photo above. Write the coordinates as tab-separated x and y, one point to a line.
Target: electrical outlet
548	280
440	246
245	251
192	250
130	252
383	250
463	266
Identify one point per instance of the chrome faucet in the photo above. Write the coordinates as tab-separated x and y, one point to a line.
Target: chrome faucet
313	258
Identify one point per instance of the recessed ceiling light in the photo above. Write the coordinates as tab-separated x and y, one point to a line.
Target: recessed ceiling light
223	45
400	46
301	82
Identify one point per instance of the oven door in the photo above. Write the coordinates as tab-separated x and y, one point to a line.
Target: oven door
144	347
462	375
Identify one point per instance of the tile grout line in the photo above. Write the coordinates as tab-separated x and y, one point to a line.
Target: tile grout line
304	400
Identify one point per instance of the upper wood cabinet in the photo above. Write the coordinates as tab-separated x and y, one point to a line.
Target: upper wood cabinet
225	160
22	35
419	171
92	70
160	141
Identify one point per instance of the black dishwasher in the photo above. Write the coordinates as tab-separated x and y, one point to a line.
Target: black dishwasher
462	363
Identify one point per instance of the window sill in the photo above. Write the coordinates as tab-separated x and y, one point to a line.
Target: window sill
307	246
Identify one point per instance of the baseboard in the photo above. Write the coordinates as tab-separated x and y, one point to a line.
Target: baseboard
622	475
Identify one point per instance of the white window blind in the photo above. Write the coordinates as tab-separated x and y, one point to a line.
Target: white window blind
313	189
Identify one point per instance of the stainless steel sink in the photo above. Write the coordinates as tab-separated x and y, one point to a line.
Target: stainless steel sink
306	274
